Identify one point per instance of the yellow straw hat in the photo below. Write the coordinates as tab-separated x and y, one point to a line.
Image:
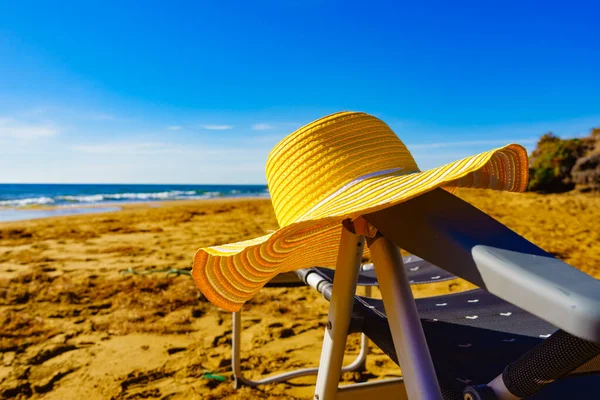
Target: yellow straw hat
341	166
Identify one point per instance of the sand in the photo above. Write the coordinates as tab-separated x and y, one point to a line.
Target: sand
73	326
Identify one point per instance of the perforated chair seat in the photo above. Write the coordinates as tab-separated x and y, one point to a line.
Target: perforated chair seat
472	336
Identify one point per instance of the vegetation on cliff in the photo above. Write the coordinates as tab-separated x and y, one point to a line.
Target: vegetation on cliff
559	165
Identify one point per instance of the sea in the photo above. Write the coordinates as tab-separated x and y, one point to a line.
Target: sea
19	201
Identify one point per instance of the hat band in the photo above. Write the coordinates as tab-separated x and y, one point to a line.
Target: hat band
348	185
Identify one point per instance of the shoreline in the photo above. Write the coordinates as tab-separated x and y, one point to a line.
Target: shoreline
32	213
16	215
38	212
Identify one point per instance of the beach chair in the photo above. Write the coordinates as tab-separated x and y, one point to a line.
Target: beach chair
346	178
532	329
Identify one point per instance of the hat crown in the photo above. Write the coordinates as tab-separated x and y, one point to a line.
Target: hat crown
319	159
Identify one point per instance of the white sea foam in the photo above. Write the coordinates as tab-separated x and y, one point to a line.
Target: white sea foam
26	202
96	198
103	198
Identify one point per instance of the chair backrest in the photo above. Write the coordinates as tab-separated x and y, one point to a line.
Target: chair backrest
463	240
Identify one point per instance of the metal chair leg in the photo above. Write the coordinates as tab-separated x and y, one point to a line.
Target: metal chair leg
405	325
340	309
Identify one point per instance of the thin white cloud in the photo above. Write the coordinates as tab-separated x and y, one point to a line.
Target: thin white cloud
174	127
217	127
155	148
67	113
13	129
146	162
99	117
493	142
129	148
62	113
262	127
268	139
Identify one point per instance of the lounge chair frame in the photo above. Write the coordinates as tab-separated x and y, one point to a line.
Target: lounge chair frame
469	244
420	380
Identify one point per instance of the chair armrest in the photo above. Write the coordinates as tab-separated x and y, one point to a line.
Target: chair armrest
463	240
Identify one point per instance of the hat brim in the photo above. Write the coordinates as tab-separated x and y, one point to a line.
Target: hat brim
229	275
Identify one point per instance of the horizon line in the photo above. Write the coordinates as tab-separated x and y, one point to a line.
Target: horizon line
113	183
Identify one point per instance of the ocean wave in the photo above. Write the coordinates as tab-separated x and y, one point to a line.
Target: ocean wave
103	198
212	194
95	198
26	202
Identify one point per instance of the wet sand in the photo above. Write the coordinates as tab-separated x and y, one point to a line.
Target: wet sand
73	326
18	214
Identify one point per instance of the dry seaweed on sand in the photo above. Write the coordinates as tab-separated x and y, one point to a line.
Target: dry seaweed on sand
72	326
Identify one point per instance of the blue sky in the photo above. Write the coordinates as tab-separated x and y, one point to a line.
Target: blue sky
199	92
